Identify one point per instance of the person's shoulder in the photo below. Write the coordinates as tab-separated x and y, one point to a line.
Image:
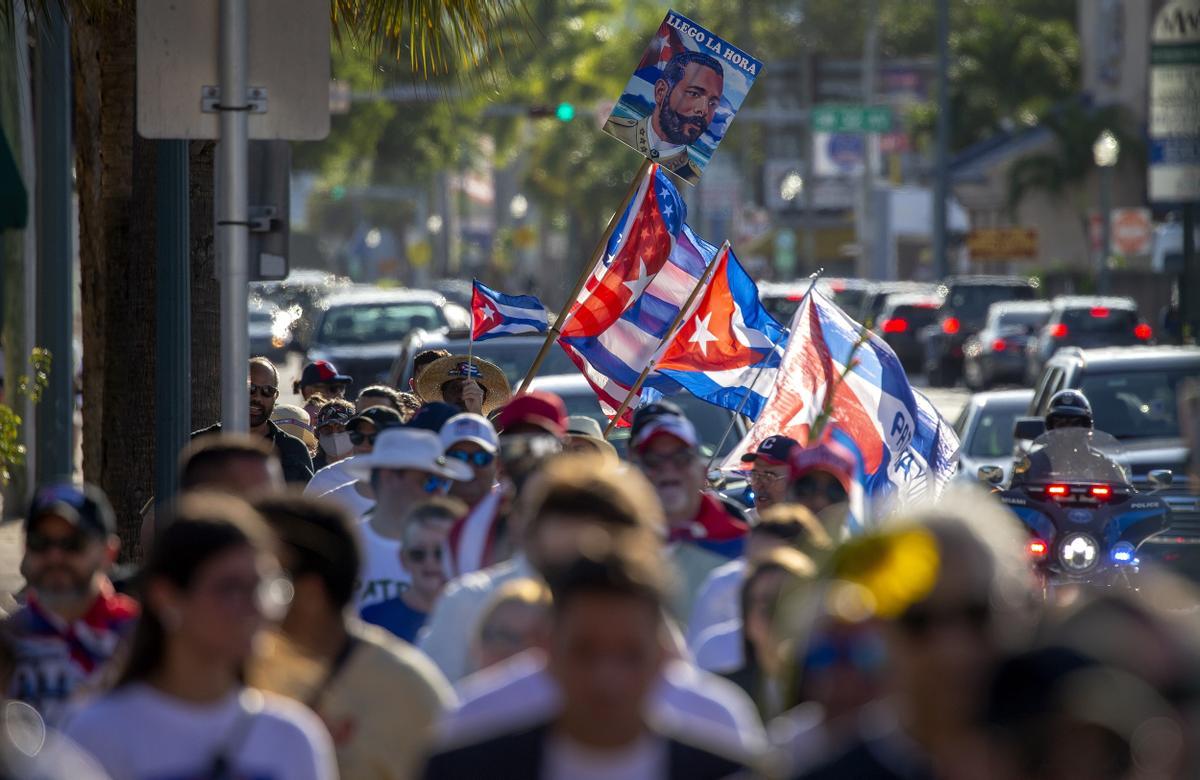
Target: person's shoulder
855	761
690	760
394	662
620	121
290	720
285	439
105	714
502	756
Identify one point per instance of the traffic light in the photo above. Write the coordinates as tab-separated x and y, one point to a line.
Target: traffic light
565	112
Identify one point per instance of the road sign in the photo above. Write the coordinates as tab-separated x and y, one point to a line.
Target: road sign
852	119
288	69
1132	231
1174	171
1002	243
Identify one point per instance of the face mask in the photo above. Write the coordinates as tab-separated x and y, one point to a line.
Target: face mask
337	445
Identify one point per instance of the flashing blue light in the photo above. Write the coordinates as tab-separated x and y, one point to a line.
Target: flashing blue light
1122	552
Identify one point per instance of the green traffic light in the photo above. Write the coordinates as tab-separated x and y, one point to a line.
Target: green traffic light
565	112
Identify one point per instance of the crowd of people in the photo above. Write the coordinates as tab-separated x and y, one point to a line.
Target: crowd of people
450	581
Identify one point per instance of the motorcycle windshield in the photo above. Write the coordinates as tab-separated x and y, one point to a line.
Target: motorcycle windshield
1072	455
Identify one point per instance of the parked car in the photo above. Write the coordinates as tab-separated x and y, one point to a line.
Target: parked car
513	354
1133	393
711	422
362	330
963	314
985	430
901	320
1086	321
997	353
781	299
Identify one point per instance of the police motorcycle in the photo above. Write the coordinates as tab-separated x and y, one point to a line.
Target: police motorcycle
1085	519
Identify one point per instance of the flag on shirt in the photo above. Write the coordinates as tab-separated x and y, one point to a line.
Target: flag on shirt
905	448
494	314
639	248
727	351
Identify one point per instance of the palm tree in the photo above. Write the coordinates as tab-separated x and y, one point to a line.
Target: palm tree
115	170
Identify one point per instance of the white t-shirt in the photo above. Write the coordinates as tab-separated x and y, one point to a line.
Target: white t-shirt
720	649
718	600
326	479
348	497
566	759
383	574
138	733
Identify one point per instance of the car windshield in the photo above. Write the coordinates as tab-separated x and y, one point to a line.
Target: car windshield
1072	455
971	301
710	421
1027	319
514	357
1138	403
371	323
993	433
1099	319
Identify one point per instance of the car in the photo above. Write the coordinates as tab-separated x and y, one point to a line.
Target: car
876	298
781	299
985	430
1134	396
997	353
719	429
901	320
268	329
513	354
963	314
1086	321
362	329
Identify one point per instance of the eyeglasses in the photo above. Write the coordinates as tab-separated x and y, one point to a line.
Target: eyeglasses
419	554
434	484
920	620
865	653
357	438
678	459
40	543
478	459
765	477
266	391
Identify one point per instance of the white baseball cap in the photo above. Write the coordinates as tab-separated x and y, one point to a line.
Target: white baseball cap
408	448
470	427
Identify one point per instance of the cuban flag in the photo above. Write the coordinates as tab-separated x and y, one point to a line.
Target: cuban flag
638	250
494	314
727	351
905	448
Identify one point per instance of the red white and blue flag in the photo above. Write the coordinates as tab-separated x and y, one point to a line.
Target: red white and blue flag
727	351
494	314
905	448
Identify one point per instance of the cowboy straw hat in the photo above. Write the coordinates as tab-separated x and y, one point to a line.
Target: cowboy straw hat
487	374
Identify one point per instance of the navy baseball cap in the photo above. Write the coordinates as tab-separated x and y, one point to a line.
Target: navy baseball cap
83	506
644	414
776	450
433	415
322	372
661	417
379	416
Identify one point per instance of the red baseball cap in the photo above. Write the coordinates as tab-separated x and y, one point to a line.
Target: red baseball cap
539	408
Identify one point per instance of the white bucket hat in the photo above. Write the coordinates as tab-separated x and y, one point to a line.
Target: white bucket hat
470	427
408	448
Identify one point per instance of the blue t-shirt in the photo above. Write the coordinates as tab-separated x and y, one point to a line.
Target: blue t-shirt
397	617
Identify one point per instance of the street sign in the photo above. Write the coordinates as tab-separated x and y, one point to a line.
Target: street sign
1003	243
288	69
1174	126
852	119
1132	231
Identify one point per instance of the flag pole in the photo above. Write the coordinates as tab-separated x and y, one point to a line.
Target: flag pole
670	334
471	334
561	320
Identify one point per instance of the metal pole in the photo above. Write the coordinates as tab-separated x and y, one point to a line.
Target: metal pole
1189	297
172	382
56	282
232	227
1106	229
866	260
941	187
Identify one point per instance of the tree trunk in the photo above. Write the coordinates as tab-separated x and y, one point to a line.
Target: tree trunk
206	292
115	181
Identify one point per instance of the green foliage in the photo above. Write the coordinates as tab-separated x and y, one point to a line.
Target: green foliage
12	452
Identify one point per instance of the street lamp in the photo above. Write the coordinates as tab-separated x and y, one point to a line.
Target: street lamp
1105	152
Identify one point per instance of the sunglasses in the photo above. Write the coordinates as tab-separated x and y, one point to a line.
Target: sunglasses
266	391
922	620
477	459
764	477
434	485
420	554
357	438
40	543
863	653
678	459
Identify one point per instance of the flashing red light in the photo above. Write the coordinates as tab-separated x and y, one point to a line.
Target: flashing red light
796	297
1099	312
1143	332
950	325
1037	548
1058	491
1058	331
1101	491
999	345
895	325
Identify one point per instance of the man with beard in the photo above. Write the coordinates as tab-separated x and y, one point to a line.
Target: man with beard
73	621
264	392
685	101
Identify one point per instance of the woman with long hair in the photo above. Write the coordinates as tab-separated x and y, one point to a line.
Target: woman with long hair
179	708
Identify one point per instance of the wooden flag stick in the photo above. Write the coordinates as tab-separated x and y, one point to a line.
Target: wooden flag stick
561	320
670	334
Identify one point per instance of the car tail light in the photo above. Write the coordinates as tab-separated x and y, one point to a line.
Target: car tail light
895	325
1099	312
1057	491
1037	548
999	345
1101	491
1143	332
950	325
796	297
1058	331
